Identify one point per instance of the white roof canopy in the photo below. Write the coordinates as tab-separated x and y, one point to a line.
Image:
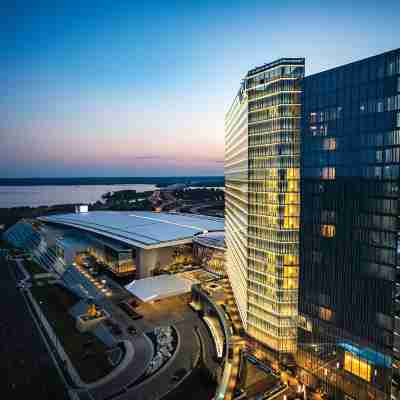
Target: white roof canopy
159	287
142	229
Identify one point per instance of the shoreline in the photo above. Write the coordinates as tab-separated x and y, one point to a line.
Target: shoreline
93	181
129	200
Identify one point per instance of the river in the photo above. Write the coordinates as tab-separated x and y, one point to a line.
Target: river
34	196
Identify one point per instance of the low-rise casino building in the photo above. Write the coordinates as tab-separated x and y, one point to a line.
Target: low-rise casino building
129	243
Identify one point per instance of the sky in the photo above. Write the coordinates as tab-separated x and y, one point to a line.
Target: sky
130	88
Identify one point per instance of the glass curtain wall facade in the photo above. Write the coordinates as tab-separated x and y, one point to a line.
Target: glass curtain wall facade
348	296
262	234
236	199
274	171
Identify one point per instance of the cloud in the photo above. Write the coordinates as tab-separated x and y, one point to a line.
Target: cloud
150	158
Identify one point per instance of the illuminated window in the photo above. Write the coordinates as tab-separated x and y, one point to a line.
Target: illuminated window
323	130
273	172
290	272
325	313
292	198
288	310
313	130
357	366
291	211
290	283
293	172
293	186
328	230
290	260
329	144
313	117
291	223
328	173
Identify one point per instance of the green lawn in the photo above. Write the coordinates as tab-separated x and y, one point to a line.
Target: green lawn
86	351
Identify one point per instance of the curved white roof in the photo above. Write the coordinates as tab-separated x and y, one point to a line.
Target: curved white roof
143	229
159	287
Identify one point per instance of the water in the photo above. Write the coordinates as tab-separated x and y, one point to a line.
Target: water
207	187
34	196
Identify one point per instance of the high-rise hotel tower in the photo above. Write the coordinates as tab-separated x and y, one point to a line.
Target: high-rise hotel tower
262	167
349	296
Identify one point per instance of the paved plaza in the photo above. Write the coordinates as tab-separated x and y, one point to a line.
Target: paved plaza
193	336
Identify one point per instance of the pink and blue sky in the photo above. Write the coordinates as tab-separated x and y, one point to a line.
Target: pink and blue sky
132	88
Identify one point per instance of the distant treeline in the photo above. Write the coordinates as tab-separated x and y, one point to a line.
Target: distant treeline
10	216
158	181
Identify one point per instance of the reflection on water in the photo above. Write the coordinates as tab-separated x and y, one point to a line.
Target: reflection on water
34	196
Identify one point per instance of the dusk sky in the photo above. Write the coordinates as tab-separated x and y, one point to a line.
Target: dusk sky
111	88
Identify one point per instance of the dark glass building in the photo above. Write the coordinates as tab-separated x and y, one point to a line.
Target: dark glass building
348	344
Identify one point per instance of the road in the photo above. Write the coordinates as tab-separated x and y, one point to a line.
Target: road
175	312
27	368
